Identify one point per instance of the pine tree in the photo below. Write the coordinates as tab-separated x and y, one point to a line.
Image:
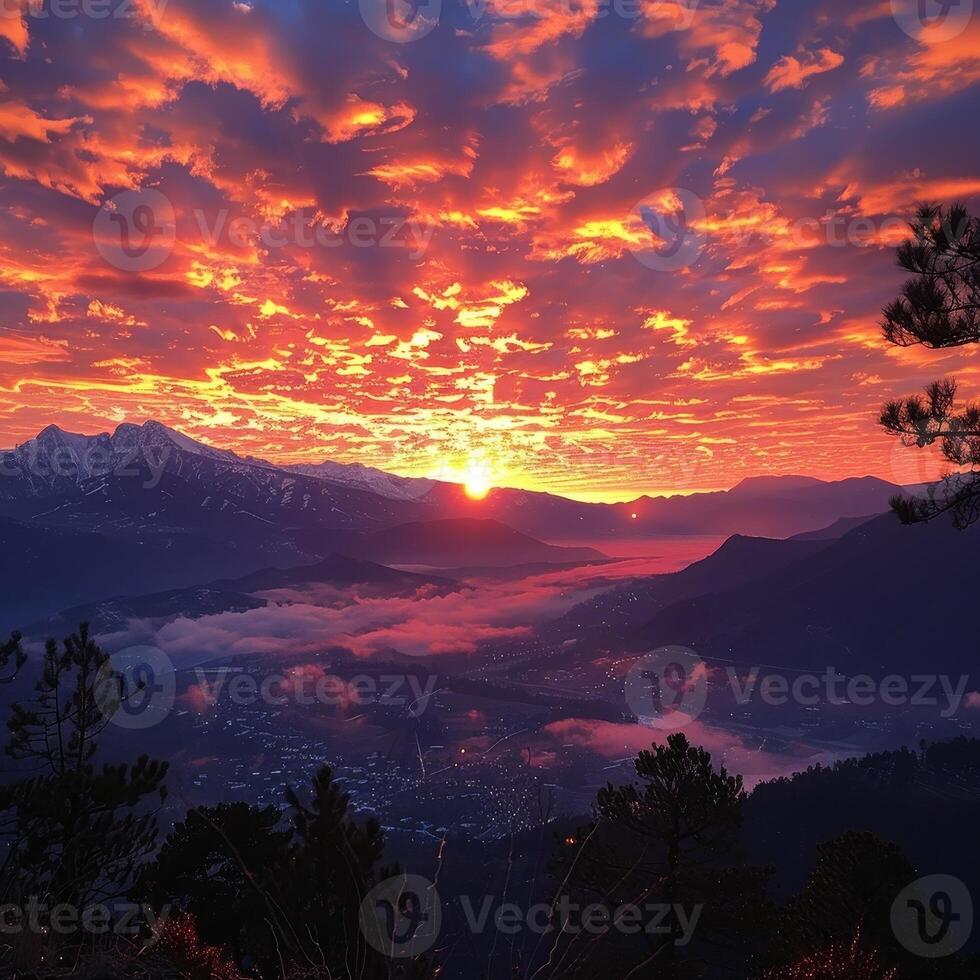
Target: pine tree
75	830
671	840
850	891
11	650
322	879
939	307
216	866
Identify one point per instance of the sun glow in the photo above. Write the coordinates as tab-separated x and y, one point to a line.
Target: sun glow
473	473
477	481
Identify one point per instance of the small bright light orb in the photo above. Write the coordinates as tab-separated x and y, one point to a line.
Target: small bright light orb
633	516
476	481
476	487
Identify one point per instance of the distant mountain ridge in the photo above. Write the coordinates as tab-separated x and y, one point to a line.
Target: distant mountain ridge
366	478
875	599
616	617
230	490
157	510
49	568
150	479
452	542
237	594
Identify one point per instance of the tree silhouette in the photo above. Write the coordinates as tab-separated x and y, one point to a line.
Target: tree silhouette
851	961
839	926
74	831
11	650
939	307
280	890
849	893
215	865
322	879
670	841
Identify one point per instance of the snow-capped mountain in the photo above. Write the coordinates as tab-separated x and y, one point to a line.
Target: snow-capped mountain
363	477
145	508
55	459
151	479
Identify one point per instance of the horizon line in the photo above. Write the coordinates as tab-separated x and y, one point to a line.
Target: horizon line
610	497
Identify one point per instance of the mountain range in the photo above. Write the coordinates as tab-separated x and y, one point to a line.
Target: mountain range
874	598
146	509
881	598
236	594
150	470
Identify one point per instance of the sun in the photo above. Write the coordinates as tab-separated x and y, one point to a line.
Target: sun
476	487
476	481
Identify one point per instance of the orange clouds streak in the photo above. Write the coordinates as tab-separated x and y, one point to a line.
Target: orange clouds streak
792	71
719	38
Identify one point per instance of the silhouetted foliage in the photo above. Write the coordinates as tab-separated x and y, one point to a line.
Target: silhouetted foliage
179	944
281	890
893	794
939	307
215	865
851	889
11	650
317	887
74	831
839	961
672	841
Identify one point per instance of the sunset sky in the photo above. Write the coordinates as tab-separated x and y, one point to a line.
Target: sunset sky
485	294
